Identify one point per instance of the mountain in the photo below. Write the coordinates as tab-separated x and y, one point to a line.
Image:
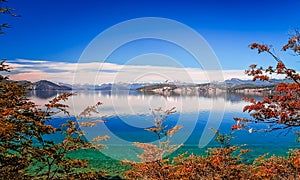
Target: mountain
154	87
65	85
233	85
238	84
105	87
120	86
44	85
236	81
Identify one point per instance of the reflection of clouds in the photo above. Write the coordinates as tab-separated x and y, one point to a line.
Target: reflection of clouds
141	104
98	73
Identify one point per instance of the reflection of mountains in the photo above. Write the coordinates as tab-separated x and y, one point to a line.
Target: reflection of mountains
229	96
238	97
44	94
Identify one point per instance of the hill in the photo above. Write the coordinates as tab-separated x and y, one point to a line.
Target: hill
44	85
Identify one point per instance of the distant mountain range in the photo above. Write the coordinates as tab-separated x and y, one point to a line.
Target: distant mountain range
233	84
237	81
44	85
108	86
238	84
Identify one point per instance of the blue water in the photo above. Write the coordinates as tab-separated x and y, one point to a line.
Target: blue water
127	116
276	142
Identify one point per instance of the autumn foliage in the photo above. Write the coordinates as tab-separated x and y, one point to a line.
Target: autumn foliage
283	105
219	163
25	150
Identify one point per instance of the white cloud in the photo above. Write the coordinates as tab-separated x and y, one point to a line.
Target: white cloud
98	73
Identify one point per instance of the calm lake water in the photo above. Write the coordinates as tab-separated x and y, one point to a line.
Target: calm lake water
128	113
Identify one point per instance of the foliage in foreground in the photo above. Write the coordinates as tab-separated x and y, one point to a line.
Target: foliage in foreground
25	150
219	163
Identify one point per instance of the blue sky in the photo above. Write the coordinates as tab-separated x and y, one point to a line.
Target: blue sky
60	30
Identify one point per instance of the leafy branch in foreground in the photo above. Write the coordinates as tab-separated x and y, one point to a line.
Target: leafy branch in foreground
223	139
153	155
5	10
156	152
280	110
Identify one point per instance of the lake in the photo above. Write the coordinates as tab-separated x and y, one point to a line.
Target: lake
128	113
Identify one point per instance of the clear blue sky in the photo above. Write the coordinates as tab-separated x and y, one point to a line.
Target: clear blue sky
59	30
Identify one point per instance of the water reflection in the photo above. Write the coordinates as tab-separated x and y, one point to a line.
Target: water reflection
47	95
127	114
132	102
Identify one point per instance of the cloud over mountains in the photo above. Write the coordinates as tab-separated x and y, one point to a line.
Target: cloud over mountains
98	73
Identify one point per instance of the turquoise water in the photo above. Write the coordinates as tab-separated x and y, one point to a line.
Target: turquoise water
276	142
127	115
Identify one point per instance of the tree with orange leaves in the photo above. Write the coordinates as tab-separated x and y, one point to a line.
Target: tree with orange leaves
283	106
25	150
